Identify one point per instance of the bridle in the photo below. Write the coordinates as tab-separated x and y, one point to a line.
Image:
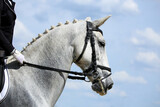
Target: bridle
92	69
93	66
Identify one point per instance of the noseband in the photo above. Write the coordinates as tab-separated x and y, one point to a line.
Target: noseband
93	67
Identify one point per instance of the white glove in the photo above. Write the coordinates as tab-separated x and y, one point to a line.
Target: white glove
19	57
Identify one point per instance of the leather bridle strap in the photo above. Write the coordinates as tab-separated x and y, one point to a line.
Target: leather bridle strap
80	77
104	68
90	30
92	41
84	47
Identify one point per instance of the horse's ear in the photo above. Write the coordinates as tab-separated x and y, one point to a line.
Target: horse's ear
88	19
99	22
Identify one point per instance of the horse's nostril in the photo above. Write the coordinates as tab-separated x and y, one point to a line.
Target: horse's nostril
96	87
110	86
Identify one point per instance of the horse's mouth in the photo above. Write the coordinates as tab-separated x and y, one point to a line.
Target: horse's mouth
100	89
102	93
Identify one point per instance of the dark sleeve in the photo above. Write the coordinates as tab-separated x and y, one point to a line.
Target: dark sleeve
5	44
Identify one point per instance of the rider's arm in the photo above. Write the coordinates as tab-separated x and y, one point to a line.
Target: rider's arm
5	44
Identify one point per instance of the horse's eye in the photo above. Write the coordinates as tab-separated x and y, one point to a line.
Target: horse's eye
101	43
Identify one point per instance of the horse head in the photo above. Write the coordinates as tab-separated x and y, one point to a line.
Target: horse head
90	55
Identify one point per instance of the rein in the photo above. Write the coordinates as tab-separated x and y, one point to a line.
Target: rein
93	67
83	75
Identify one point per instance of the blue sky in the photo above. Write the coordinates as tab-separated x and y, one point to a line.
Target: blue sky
132	35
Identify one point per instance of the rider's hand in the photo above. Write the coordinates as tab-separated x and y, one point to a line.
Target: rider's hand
18	56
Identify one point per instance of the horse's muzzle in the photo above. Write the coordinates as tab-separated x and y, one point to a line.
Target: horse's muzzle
101	87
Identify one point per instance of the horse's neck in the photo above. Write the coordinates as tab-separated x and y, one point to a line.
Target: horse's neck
56	47
54	50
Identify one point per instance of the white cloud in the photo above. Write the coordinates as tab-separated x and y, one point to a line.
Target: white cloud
121	6
39	14
135	41
118	92
146	36
83	87
22	34
123	93
149	40
35	17
130	6
123	76
75	85
90	94
157	102
111	5
108	5
82	2
151	35
150	58
158	88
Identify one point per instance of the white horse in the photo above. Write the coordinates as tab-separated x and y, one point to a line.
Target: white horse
57	47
